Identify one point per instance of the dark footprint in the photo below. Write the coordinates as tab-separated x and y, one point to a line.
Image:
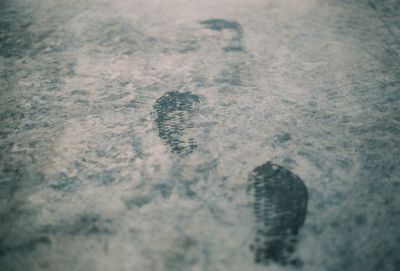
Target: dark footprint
175	111
220	25
280	206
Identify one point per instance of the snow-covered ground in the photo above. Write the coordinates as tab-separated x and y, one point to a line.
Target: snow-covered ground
136	135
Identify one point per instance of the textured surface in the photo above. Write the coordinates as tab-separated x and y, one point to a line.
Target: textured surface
174	113
128	130
280	207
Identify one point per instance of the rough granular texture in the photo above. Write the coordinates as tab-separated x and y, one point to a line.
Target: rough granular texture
128	129
174	116
280	207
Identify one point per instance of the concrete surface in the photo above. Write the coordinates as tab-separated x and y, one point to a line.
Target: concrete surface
175	135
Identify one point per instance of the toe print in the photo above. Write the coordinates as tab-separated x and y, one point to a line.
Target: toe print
280	205
175	111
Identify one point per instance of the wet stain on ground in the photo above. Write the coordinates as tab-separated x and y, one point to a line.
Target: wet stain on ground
235	44
84	224
280	206
175	111
25	247
220	24
137	202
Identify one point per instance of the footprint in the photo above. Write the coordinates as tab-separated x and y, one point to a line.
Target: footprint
280	206
220	25
175	111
